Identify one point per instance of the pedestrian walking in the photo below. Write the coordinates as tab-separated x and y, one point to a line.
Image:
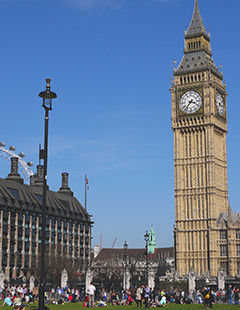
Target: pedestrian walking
146	296
139	296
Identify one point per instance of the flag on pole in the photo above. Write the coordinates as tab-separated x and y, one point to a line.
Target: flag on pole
86	182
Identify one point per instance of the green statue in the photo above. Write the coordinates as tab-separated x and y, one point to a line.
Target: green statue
151	242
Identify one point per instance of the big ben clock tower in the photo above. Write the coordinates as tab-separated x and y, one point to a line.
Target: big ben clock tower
199	123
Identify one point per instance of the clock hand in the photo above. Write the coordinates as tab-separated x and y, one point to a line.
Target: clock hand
189	102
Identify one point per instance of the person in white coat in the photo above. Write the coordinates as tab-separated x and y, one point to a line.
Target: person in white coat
91	292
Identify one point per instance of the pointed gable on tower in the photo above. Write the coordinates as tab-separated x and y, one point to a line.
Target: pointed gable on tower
196	26
197	50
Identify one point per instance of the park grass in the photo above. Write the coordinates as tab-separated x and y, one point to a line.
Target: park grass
79	306
76	306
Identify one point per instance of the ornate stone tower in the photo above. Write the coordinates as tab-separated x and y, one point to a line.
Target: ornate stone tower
199	123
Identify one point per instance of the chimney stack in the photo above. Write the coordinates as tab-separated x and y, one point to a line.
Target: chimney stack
33	179
14	175
39	177
65	189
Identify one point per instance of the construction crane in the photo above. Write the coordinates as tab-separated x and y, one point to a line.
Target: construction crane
114	242
100	242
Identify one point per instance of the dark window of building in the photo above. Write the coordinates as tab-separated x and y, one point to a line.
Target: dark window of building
27	246
223	234
19	246
19	260
238	267
238	249
238	234
33	261
33	218
27	217
223	250
14	192
39	197
76	240
20	217
5	216
223	266
33	233
59	237
4	259
26	259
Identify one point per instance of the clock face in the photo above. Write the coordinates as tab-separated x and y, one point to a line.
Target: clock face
190	102
220	104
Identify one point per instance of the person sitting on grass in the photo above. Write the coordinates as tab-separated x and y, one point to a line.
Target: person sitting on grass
161	303
17	300
7	301
102	304
86	301
17	307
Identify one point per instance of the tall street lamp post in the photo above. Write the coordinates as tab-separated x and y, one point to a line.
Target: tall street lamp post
146	238
125	264
47	97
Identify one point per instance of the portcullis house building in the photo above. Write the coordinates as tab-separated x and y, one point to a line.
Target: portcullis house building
68	225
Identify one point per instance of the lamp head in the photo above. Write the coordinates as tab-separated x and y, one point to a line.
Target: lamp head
47	96
146	236
125	245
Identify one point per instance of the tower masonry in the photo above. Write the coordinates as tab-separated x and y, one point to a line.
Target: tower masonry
205	231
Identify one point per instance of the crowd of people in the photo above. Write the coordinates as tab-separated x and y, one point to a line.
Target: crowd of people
20	296
147	297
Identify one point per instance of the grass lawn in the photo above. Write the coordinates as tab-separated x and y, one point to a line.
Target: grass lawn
73	306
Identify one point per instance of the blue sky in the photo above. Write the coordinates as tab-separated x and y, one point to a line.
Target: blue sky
111	63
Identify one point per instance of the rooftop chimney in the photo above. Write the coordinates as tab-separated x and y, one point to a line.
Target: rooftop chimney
65	189
14	175
96	250
39	177
33	179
